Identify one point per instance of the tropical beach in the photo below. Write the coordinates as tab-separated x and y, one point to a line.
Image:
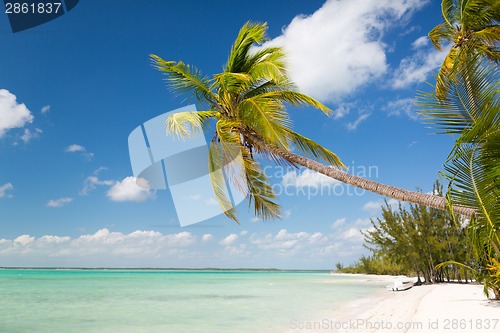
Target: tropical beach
431	308
250	166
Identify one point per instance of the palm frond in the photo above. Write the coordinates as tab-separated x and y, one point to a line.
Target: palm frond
472	27
469	95
489	35
250	34
471	189
296	98
261	193
185	125
268	63
184	79
236	83
267	117
216	164
448	12
438	34
315	150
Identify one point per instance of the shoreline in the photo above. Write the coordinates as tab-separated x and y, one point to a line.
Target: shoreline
443	307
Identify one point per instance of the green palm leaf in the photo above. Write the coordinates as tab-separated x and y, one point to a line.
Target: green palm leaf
471	26
185	125
184	79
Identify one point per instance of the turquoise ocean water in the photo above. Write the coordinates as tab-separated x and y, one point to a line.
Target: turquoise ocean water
122	301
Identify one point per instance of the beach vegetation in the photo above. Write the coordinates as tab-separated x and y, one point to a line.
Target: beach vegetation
466	104
417	238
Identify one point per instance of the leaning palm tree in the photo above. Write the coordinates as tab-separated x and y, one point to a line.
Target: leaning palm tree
472	28
247	103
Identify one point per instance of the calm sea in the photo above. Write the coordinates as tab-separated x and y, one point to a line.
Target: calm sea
122	301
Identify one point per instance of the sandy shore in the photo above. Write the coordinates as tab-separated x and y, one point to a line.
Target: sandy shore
431	308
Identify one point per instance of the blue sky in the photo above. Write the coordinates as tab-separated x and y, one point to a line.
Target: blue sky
73	89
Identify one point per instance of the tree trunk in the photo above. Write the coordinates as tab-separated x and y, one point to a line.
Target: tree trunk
418	198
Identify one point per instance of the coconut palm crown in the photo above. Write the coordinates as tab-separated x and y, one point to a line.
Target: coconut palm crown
248	97
247	104
472	28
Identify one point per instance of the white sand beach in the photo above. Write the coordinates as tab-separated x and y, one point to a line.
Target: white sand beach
428	308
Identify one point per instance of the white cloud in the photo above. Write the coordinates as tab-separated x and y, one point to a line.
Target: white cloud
12	114
411	144
418	67
229	240
420	42
54	239
207	238
351	126
343	110
308	178
29	135
45	109
24	240
352	234
375	207
286	243
74	148
372	207
3	190
340	47
131	189
403	106
143	248
103	248
339	223
59	202
91	183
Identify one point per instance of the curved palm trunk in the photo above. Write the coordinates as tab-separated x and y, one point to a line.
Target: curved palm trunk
397	193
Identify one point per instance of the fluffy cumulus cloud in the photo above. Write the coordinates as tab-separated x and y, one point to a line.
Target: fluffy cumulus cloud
418	67
59	202
207	238
74	148
420	42
24	240
12	113
103	244
143	248
340	47
131	189
4	189
230	239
